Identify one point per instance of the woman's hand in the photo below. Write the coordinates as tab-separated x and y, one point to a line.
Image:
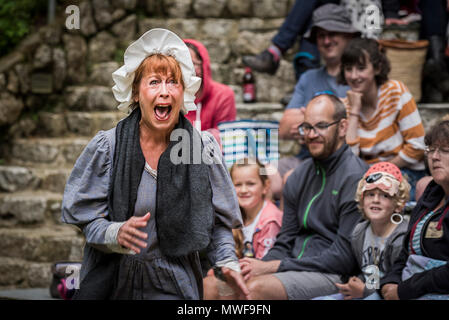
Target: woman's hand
352	133
235	281
390	291
254	267
353	289
355	101
129	236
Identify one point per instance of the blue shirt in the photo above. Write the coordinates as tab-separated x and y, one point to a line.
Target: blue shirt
313	81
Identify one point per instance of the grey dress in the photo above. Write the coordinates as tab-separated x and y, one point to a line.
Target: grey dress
149	274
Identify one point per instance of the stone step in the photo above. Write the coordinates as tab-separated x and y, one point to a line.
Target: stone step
20	273
432	112
51	152
27	294
30	208
77	123
260	111
15	178
89	123
42	244
45	152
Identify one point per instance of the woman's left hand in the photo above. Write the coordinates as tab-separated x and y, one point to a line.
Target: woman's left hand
353	289
235	281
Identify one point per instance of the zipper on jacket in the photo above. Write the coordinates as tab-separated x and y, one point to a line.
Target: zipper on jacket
304	221
308	208
304	246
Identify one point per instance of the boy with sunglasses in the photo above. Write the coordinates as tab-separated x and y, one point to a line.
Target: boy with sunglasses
377	241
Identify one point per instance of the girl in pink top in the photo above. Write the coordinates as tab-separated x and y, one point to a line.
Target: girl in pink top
261	218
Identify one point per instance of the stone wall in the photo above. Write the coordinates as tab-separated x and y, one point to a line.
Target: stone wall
55	94
56	69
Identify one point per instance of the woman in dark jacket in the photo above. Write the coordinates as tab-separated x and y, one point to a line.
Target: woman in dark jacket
422	269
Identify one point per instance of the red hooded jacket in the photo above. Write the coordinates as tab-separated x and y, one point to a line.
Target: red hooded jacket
217	100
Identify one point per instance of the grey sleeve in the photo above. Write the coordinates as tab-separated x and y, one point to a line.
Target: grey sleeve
224	200
84	203
298	99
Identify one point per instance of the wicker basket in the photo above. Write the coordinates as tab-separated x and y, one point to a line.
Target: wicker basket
407	59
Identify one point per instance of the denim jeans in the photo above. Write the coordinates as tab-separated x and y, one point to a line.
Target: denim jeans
296	23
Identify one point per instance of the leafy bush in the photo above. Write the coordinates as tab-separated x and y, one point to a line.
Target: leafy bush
16	20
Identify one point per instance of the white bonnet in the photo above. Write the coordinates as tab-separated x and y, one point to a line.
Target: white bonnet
151	42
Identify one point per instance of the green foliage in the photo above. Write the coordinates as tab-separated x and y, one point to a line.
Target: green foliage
119	55
16	20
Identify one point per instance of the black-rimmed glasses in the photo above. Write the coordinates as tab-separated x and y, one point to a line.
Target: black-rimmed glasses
319	128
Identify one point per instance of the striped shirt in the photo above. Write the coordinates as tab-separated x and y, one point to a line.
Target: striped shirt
394	128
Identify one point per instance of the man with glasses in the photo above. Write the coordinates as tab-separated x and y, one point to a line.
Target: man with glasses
312	250
331	30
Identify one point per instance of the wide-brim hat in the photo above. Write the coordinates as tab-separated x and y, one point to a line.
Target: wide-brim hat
152	42
330	17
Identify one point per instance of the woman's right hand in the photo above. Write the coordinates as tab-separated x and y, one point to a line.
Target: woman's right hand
355	101
129	234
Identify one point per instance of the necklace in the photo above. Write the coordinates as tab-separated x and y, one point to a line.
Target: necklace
151	171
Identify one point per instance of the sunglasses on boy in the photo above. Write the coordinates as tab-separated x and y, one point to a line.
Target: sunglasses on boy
373	177
383	181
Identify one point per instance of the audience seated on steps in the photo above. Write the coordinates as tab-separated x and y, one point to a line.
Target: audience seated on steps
331	30
312	248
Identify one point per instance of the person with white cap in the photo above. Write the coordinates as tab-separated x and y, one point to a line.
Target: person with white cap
146	204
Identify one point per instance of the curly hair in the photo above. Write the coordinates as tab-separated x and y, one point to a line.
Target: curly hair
400	198
356	53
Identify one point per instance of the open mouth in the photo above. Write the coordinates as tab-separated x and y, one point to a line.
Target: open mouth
162	112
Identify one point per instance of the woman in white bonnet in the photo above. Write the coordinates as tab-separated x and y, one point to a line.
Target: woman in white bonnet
143	200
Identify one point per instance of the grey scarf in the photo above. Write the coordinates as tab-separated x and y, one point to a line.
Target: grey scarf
184	212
